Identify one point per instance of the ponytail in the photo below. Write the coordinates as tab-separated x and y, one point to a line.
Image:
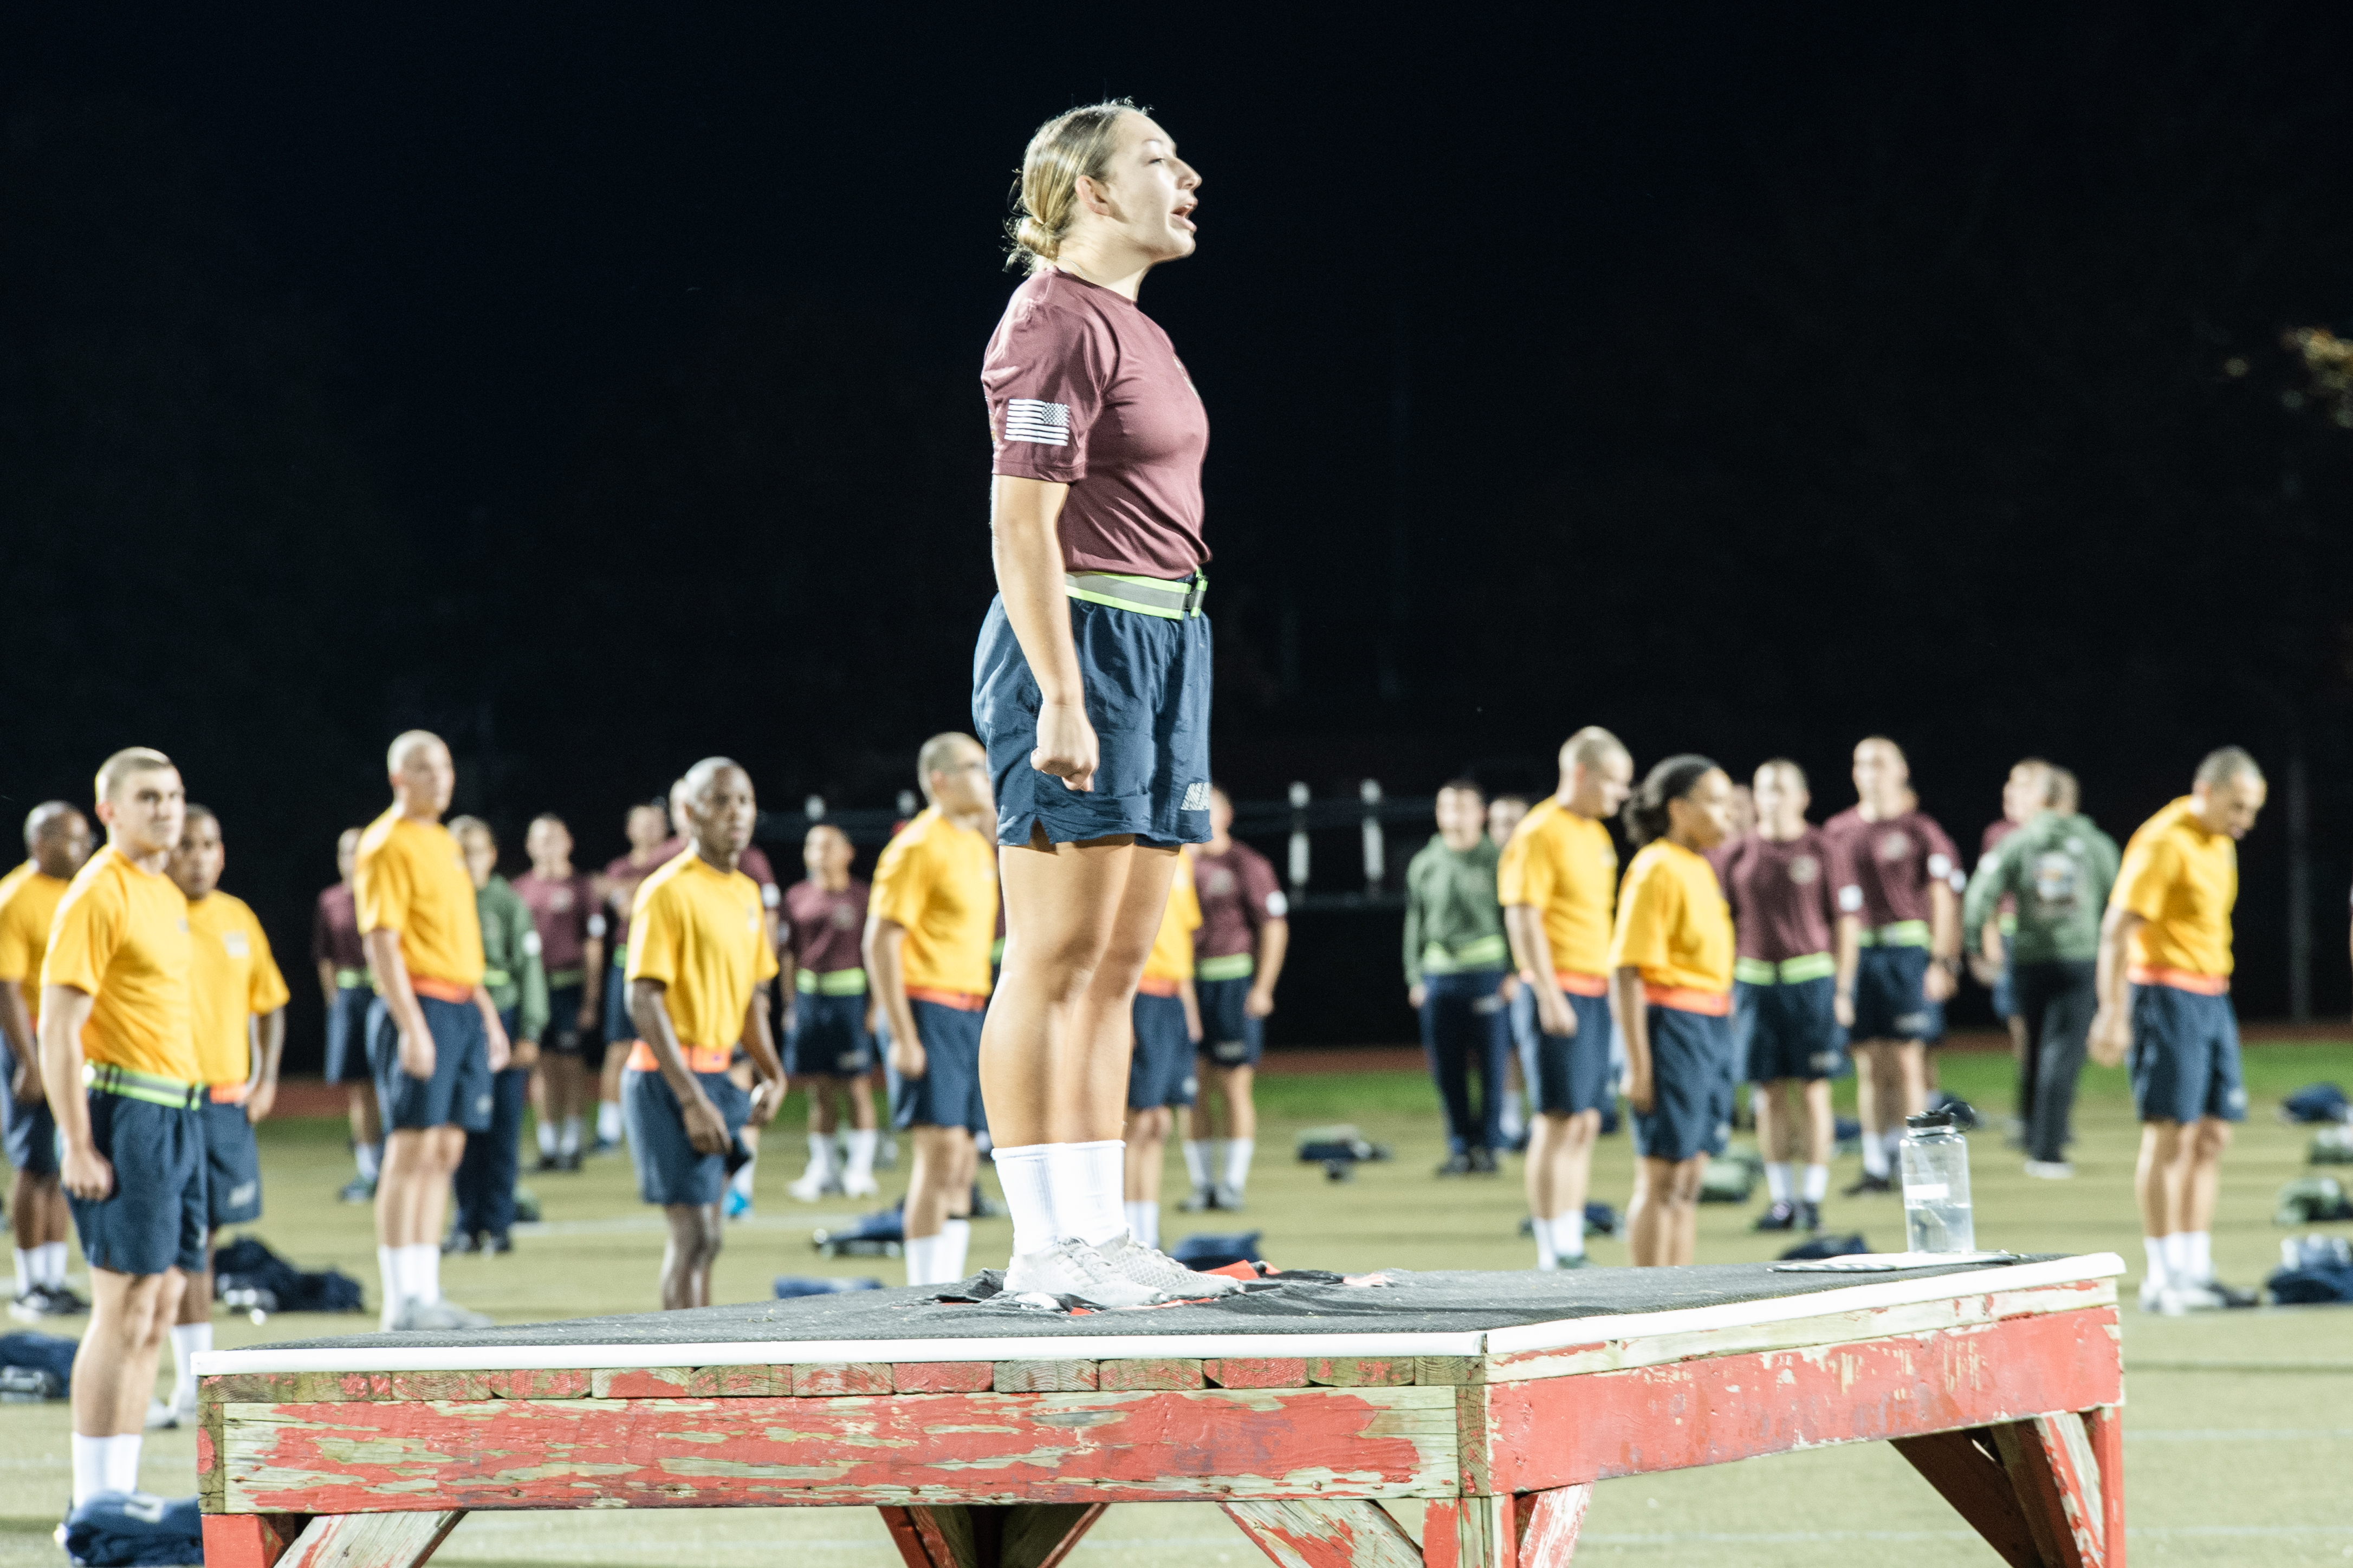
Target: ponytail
1645	815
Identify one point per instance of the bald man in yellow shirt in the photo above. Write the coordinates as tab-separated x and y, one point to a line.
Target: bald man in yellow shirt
56	840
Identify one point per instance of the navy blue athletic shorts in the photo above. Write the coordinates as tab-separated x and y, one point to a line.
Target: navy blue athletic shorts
232	1165
2185	1057
671	1170
829	1038
459	1093
1161	1071
1147	686
618	1029
1786	1031
1890	998
31	1128
1231	1038
1569	1073
948	1094
1690	1086
563	1035
347	1061
154	1219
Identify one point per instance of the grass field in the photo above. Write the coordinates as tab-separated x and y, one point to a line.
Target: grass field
2239	1438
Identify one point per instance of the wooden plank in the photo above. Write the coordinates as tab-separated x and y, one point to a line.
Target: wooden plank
820	1379
1470	1532
249	1540
739	1382
1045	1376
1360	1372
2104	1426
929	1449
1473	1438
212	1475
941	1376
907	1535
2050	1463
1561	1431
1168	1372
369	1541
1548	1523
569	1382
1964	1469
435	1385
1256	1372
1320	1532
1435	1370
640	1381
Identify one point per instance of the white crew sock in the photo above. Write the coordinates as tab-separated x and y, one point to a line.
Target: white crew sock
419	1266
741	1182
546	1138
49	1262
1569	1234
1875	1155
90	1456
2177	1259
862	1155
923	1255
2159	1274
1196	1161
608	1121
1143	1222
1893	1139
2199	1244
1090	1184
27	1269
122	1461
568	1141
1776	1181
1513	1117
1546	1257
387	1268
955	1244
187	1339
1818	1183
1238	1162
1026	1175
820	1163
369	1158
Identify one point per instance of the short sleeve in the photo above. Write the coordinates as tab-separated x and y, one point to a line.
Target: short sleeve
654	934
1263	897
764	964
266	988
88	929
19	954
1525	875
383	888
1944	859
1185	903
1646	909
902	881
2149	871
1044	379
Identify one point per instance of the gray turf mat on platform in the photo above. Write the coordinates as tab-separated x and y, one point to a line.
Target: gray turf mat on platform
1454	1302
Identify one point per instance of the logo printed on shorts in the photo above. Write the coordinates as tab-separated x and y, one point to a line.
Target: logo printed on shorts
1196	796
1041	423
243	1193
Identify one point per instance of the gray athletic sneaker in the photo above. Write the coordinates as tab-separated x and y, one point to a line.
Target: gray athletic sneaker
439	1317
1149	1265
1072	1268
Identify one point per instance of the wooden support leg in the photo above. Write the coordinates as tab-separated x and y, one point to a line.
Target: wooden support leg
1965	1467
2057	1480
1019	1535
2106	1428
1327	1532
1548	1523
2045	1493
249	1540
370	1539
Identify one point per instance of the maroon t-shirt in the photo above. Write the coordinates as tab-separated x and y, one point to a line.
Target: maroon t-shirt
1085	390
1782	893
753	863
335	931
561	910
823	928
621	879
1889	865
1238	893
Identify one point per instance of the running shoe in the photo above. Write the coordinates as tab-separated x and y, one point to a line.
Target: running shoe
1782	1215
1455	1165
497	1241
2182	1297
1867	1183
1810	1216
551	1161
569	1162
1198	1200
160	1417
61	1302
1131	1260
358	1190
737	1204
2230	1296
37	1303
2050	1170
2152	1294
457	1241
1072	1267
1229	1198
812	1186
439	1317
1482	1162
1572	1261
856	1186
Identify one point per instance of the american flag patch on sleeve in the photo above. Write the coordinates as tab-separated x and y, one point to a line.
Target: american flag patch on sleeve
1046	424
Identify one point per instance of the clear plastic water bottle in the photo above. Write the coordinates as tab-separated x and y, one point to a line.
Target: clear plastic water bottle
1936	1215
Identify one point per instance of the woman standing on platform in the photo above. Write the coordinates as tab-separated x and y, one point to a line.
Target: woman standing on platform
1090	685
1671	991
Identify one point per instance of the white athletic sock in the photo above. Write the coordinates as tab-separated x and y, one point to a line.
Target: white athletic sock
27	1269
1090	1184
1026	1175
1776	1181
369	1158
1818	1183
187	1339
1546	1257
1875	1155
955	1246
1893	1139
1238	1162
1196	1161
608	1121
122	1461
2159	1272
820	1163
419	1264
49	1262
861	1153
1143	1222
922	1259
2199	1244
387	1268
1567	1234
568	1141
1513	1117
741	1182
2177	1259
546	1139
89	1454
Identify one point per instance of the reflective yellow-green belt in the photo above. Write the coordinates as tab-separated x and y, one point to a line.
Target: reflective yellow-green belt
108	1078
1171	601
557	979
1479	953
832	983
498	980
1788	971
353	978
1900	934
1227	966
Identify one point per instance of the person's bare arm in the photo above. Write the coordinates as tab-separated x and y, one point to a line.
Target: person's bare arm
1850	959
269	1046
383	949
649	1011
760	1043
1028	554
1944	940
23	1049
327	986
1631	1009
592	988
494	1028
788	976
886	978
1273	946
2111	982
1531	951
87	1173
1192	1000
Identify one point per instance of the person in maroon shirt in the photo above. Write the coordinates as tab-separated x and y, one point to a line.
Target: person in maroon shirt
650	848
1792	987
566	913
1237	958
345	983
1897	896
828	1049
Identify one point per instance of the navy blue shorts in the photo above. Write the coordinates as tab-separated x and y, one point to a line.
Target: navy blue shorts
671	1170
347	1025
459	1093
2185	1057
618	1029
563	1035
1231	1038
1147	685
155	1220
1690	1086
948	1094
1571	1073
30	1127
828	1037
232	1165
1161	1071
1786	1031
1891	999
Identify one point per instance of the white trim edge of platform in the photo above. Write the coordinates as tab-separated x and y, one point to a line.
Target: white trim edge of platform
393	1357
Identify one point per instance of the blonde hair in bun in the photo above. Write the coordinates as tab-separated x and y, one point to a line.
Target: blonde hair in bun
1078	142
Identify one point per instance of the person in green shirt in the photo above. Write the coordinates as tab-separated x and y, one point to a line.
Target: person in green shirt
2057	868
517	981
1456	959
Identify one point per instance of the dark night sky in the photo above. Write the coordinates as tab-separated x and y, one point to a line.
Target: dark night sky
602	393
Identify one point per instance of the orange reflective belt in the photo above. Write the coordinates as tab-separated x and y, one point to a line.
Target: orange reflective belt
2179	980
231	1093
1688	999
1577	985
440	990
962	1001
1153	985
699	1059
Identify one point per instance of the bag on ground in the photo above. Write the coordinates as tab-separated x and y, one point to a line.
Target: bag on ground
2316	1102
134	1529
41	1365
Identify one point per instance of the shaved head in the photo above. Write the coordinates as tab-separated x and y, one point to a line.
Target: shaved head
407	743
1591	747
2225	764
700	777
126	764
57	837
49	816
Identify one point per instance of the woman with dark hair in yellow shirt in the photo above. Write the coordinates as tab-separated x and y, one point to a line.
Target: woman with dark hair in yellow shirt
1671	991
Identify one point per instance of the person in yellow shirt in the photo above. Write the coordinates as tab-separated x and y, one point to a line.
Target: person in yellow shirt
1556	880
115	1001
56	840
238	1000
1671	993
929	920
434	1037
1167	1034
2163	978
699	965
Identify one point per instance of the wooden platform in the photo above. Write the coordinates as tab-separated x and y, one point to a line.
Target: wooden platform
984	1449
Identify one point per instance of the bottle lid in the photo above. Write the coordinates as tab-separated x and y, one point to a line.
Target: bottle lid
1929	1120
